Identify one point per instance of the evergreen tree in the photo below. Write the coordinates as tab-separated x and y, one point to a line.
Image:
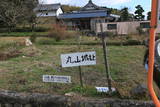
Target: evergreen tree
149	15
139	13
124	14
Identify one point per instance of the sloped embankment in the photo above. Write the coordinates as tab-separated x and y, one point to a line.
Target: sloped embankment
13	99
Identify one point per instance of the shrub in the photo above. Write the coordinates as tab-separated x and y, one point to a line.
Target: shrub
59	32
41	29
133	42
108	34
86	90
25	29
33	38
22	29
128	37
45	41
140	30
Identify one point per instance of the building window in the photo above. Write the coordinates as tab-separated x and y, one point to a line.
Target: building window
99	21
145	25
112	26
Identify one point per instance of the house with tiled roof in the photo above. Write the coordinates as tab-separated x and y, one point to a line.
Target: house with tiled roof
87	17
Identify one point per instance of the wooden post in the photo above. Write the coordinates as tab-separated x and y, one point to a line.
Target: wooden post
79	68
80	76
105	58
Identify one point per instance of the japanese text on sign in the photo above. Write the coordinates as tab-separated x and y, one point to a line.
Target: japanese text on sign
78	59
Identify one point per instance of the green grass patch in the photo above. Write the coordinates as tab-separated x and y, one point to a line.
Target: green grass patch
24	73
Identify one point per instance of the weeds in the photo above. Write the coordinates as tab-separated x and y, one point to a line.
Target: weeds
59	32
33	38
9	50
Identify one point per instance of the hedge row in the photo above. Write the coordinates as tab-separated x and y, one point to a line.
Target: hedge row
25	29
128	43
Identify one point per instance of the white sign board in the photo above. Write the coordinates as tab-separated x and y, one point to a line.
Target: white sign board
56	78
78	59
104	89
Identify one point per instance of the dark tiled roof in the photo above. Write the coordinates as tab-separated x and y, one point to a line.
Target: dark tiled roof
47	7
90	10
91	6
90	14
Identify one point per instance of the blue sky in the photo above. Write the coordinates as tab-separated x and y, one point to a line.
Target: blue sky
146	4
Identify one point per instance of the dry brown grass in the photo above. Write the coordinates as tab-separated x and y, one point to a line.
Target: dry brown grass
9	47
59	32
18	40
12	38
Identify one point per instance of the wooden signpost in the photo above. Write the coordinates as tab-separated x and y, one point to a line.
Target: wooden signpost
103	36
78	59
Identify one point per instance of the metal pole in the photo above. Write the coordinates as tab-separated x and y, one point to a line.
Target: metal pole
154	19
105	59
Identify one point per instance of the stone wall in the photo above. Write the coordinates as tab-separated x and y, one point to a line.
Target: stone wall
13	99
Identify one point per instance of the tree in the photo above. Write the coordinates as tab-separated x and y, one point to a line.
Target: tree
31	18
114	11
13	12
149	15
68	8
139	13
124	14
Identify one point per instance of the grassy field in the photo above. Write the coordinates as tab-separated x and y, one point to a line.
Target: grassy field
23	72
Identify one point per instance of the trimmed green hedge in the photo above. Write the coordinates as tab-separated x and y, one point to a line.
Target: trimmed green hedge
25	29
53	42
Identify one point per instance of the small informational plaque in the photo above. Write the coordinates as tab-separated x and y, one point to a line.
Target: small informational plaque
56	79
104	89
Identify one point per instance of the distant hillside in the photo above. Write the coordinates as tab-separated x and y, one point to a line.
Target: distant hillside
68	8
115	11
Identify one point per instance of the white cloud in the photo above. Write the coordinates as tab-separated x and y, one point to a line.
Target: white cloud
55	1
83	2
110	2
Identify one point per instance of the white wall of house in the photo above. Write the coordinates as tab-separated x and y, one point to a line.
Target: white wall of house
59	11
121	27
94	21
50	13
44	14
